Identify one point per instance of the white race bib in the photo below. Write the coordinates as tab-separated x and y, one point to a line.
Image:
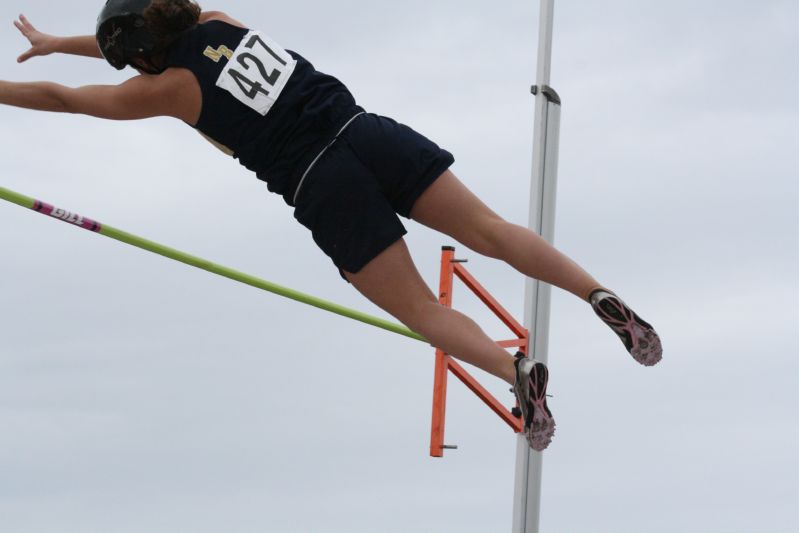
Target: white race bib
257	72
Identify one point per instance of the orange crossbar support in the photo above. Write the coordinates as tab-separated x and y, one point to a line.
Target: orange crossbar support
451	267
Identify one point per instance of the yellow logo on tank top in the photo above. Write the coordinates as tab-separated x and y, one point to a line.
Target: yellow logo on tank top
217	54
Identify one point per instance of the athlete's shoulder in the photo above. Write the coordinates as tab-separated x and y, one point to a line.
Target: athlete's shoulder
208	16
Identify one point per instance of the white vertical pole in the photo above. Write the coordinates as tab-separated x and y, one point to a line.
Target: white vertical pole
527	500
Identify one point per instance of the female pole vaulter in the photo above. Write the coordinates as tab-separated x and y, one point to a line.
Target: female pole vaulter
347	173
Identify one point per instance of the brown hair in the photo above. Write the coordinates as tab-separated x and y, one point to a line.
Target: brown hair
167	19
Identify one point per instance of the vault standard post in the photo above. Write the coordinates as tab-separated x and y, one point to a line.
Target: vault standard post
527	493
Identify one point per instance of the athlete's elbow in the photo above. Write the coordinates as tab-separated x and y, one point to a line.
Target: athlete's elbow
63	100
44	96
82	101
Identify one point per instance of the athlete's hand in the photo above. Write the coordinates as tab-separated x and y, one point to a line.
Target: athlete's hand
42	44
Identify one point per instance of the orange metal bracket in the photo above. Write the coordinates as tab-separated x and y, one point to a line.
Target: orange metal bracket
451	267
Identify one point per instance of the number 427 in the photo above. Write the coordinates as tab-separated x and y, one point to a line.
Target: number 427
249	87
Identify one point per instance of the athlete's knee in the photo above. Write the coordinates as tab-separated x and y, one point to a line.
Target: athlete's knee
408	306
421	314
487	237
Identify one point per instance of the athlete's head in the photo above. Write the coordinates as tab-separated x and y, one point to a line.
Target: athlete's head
138	32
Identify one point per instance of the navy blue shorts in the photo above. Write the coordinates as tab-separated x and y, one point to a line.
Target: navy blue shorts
350	199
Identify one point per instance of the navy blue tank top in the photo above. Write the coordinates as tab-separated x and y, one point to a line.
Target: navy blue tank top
278	146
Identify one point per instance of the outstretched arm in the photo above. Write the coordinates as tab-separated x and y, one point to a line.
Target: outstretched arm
169	94
43	44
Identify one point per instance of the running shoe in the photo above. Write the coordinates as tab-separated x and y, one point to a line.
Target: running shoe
638	336
531	391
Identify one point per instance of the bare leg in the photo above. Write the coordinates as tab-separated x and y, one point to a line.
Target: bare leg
449	207
392	282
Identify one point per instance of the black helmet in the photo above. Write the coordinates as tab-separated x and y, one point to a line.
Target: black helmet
122	32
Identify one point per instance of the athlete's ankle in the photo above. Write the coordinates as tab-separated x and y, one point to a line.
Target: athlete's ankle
510	372
595	292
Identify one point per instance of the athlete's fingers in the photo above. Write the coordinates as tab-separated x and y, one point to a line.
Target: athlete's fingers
20	27
30	33
27	55
26	22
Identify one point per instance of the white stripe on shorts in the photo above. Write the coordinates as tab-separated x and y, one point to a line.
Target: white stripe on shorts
305	175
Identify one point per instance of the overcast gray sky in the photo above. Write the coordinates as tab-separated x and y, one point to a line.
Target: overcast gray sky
138	394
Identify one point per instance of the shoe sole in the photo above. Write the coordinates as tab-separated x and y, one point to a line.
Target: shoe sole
639	337
542	428
647	350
